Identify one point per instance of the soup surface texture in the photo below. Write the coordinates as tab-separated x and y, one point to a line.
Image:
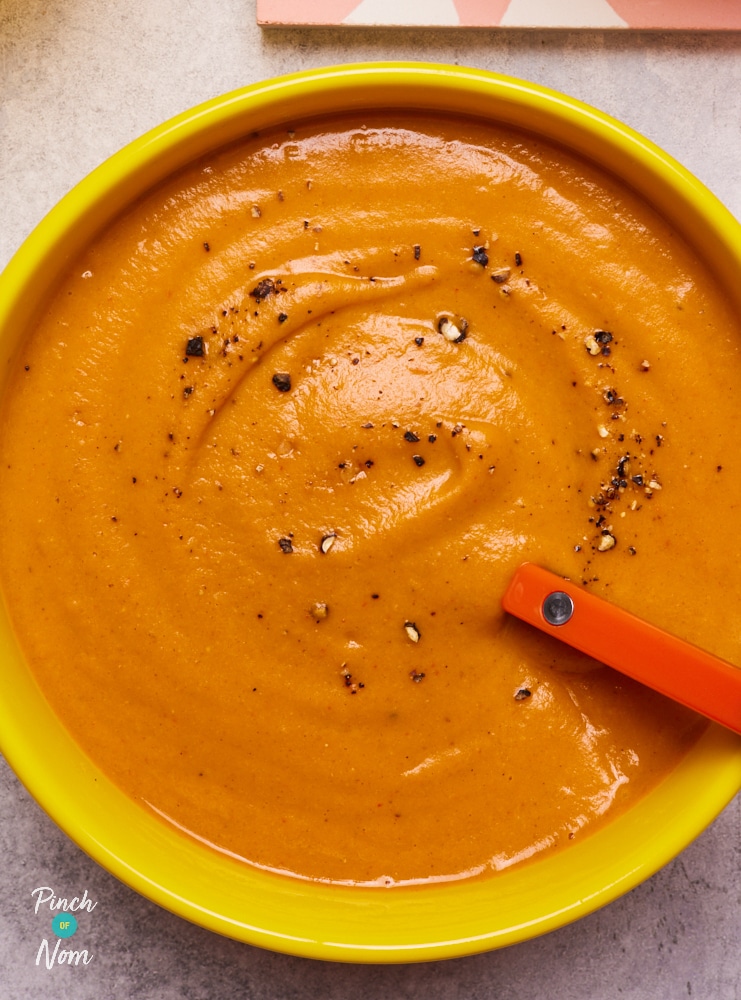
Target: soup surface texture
276	447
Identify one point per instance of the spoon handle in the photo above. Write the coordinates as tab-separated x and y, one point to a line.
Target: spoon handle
617	638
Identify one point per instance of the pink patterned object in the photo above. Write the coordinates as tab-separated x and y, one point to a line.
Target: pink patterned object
697	15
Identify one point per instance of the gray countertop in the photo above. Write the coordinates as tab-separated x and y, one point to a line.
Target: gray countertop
79	79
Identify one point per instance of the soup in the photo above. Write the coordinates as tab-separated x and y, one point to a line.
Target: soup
276	448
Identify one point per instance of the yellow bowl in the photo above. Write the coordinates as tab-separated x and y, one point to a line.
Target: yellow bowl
302	918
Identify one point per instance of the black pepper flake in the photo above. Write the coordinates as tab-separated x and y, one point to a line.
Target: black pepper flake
417	340
432	438
282	317
418	460
417	251
282	381
602	336
352	685
416	676
523	694
410	436
188	390
638	480
518	258
194	347
631	550
286	545
206	247
264	288
480	256
27	368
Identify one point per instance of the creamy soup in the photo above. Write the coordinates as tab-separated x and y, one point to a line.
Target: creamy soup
276	447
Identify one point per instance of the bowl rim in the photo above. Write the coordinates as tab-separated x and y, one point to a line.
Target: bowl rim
315	920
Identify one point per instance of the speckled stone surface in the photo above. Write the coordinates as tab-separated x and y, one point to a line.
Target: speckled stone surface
78	79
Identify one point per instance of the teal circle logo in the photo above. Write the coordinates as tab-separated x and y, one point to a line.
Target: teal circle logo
64	925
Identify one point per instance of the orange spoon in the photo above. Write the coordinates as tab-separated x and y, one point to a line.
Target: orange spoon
617	638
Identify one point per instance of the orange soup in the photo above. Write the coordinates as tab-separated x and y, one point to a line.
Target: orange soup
276	448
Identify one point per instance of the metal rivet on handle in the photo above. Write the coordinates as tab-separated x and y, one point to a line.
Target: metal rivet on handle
558	608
